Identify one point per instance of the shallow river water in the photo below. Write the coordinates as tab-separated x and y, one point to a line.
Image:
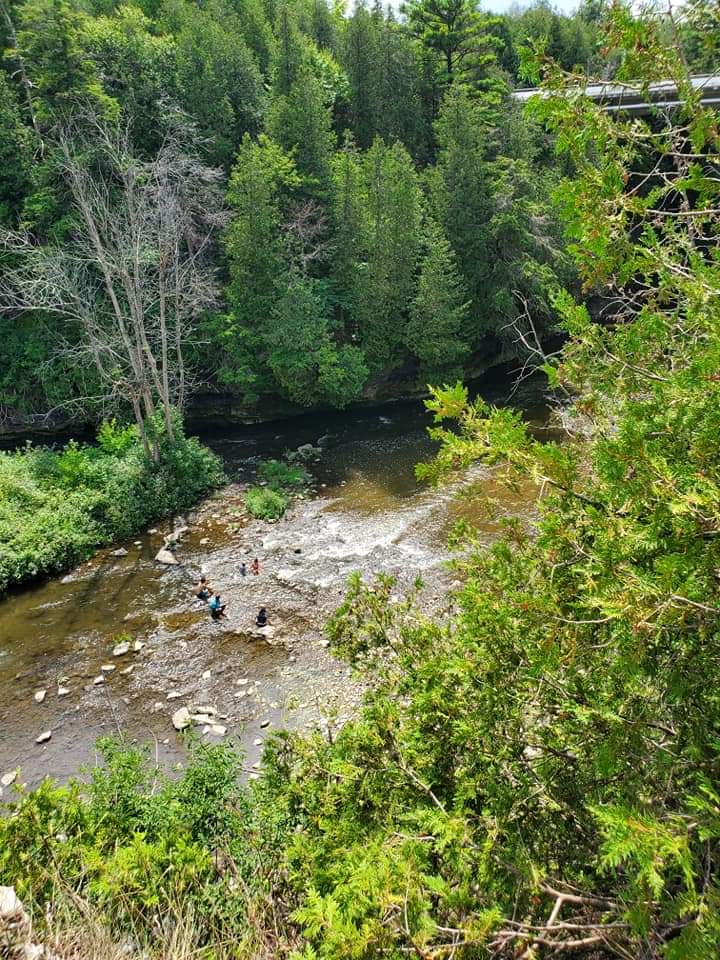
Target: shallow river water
368	514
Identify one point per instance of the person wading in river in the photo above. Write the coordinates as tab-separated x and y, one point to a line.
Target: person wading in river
255	566
261	619
217	609
202	590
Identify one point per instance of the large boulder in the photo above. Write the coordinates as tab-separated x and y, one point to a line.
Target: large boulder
176	536
166	556
181	718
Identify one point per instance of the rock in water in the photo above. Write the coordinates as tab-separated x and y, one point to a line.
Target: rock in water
173	695
63	691
120	649
44	736
137	646
120	552
7	779
107	667
166	556
39	696
181	718
218	729
176	536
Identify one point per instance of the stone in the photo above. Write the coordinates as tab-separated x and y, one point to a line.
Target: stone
202	718
157	707
204	541
173	695
44	736
324	643
242	681
206	675
137	646
152	530
176	535
120	552
120	649
297	549
107	667
128	669
98	680
218	729
7	779
265	723
63	691
254	776
138	543
39	696
167	557
257	742
181	718
206	709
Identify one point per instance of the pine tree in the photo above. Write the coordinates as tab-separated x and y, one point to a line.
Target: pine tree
436	332
300	122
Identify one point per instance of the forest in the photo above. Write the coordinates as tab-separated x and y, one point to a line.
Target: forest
535	771
364	209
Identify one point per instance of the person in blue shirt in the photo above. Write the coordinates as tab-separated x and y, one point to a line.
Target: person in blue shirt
217	608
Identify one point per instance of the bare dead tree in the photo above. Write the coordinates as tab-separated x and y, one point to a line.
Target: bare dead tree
305	232
137	271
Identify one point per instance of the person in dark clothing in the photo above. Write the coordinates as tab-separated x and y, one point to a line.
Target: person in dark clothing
202	590
261	619
243	570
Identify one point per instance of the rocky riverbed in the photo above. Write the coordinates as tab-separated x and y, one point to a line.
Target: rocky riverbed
122	645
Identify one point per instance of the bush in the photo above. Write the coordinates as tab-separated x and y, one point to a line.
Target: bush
282	476
266	503
57	507
142	851
281	481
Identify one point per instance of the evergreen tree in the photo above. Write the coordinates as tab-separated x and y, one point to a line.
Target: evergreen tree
390	238
136	68
436	332
15	155
219	82
290	51
261	179
456	32
51	42
300	122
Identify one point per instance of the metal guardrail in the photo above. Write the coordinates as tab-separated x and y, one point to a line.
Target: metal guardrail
618	98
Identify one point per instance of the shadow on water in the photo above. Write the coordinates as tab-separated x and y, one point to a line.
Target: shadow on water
368	514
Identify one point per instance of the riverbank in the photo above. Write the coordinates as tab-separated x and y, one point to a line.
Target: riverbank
58	506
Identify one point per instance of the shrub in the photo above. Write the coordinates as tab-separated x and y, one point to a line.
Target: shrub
266	503
281	476
57	507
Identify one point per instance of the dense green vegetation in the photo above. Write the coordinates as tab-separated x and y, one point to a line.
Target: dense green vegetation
536	773
375	204
58	506
278	483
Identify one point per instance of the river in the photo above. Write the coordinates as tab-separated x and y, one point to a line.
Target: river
367	513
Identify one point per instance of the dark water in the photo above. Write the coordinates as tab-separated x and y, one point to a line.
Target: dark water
368	514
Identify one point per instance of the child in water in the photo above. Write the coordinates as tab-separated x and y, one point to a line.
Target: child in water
261	619
255	566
